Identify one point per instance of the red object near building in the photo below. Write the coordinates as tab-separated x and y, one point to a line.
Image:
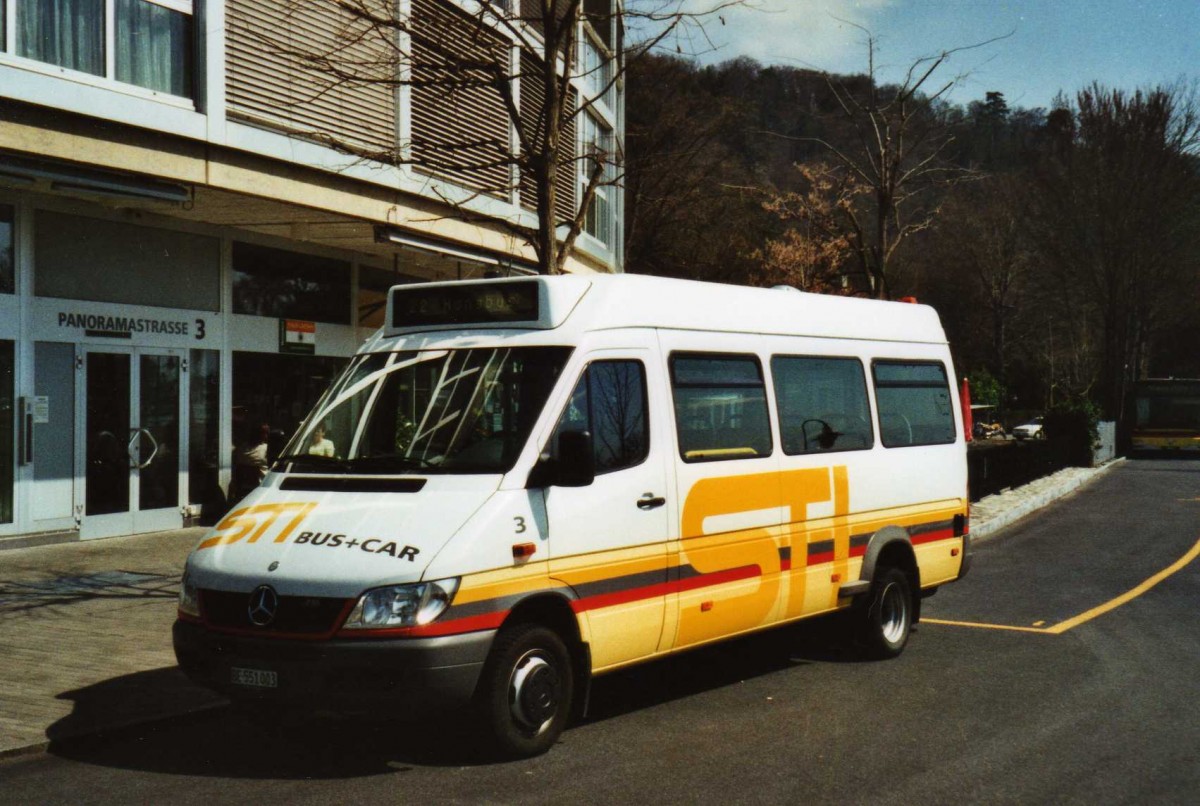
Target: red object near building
965	402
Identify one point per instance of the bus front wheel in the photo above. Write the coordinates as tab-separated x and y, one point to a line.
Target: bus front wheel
526	690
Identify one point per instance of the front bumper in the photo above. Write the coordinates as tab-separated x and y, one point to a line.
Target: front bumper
348	676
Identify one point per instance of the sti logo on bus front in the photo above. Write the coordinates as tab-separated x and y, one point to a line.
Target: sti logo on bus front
277	522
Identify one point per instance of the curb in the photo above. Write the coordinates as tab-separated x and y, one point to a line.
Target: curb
1037	501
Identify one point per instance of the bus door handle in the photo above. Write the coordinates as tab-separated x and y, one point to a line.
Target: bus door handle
650	501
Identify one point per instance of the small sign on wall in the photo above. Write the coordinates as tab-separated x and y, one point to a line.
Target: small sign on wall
41	410
297	336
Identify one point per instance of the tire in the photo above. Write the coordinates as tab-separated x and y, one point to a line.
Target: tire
525	692
887	619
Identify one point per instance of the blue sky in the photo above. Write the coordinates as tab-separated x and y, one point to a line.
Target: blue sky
1054	44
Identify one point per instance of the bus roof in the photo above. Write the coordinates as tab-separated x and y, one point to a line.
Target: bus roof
576	304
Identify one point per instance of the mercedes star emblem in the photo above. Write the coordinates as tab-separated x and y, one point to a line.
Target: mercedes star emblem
263	604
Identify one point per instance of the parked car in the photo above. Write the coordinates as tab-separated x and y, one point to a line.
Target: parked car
1030	430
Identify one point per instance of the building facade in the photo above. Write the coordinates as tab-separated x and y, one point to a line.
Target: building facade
187	252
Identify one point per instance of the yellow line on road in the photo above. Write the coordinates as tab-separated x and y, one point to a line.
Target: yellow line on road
1095	612
979	625
1128	595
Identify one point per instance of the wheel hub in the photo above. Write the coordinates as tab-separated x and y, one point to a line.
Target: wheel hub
893	614
534	692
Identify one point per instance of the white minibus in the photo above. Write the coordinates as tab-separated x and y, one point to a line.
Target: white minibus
518	484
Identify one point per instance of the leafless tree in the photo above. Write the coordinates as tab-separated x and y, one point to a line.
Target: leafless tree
618	412
891	155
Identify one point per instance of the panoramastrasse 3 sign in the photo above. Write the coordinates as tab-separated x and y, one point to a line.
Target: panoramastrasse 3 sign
58	320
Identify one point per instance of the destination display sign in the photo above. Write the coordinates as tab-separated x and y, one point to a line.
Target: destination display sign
467	304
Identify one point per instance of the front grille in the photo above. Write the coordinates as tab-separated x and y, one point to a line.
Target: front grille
307	615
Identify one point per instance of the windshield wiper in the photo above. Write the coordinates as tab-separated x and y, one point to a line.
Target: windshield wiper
390	462
320	462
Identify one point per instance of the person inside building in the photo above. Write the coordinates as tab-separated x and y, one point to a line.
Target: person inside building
250	462
320	446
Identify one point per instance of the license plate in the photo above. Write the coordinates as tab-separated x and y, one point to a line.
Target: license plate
259	678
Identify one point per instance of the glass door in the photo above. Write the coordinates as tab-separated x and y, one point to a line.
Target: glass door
133	423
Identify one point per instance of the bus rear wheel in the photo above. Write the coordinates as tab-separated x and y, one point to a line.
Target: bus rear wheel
526	690
886	621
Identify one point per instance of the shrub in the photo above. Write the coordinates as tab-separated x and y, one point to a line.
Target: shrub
985	389
1075	421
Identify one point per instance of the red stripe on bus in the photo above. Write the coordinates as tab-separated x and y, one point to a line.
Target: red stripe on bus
933	537
664	588
485	621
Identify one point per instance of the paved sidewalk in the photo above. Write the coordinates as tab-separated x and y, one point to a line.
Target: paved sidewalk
85	637
85	628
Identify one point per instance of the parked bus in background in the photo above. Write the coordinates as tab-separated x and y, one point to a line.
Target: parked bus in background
540	480
1166	415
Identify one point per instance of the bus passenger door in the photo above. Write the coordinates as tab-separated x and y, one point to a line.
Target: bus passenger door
727	573
608	540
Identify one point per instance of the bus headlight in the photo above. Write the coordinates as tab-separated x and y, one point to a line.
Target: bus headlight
402	605
189	597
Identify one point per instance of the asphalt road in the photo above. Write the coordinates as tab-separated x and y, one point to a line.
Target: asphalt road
1055	673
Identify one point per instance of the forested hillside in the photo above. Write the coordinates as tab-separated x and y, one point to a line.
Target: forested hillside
1061	246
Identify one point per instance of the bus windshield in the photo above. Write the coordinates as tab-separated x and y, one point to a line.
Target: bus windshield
1167	405
429	411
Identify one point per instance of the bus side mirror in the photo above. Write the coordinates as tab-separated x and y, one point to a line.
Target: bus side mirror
574	467
576	459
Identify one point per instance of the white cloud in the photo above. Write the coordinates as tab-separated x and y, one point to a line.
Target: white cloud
818	34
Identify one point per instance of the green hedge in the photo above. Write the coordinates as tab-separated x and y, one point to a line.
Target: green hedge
1075	422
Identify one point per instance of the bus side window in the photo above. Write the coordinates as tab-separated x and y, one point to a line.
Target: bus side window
610	402
914	403
720	407
822	404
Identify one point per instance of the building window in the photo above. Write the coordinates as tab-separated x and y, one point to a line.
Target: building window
720	407
595	67
8	417
460	125
373	286
8	272
204	444
69	33
111	261
152	40
914	404
598	143
154	45
273	282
